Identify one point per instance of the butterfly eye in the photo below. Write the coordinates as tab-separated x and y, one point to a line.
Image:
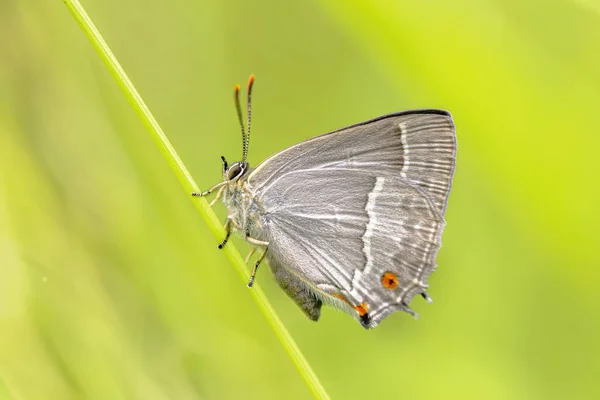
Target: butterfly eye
236	171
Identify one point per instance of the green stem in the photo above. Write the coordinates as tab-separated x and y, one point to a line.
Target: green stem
189	185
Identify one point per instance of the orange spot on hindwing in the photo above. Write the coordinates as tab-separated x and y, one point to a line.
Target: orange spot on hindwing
362	309
389	280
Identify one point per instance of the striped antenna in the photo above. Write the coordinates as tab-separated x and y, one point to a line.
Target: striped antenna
238	108
249	105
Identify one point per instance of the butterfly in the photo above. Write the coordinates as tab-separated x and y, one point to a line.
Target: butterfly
352	218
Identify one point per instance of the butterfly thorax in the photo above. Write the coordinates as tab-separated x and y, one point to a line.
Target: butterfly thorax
244	209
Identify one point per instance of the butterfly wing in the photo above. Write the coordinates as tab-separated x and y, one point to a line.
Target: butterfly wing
356	216
418	146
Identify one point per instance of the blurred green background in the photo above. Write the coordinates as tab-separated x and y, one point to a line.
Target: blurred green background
111	286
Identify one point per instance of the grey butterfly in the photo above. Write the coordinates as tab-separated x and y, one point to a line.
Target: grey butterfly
352	218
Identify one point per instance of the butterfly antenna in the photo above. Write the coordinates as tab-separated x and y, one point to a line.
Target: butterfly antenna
238	108
249	105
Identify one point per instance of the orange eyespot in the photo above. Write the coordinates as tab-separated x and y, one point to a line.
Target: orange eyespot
389	280
362	309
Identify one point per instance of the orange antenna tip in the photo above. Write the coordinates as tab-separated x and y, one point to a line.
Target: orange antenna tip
237	87
250	80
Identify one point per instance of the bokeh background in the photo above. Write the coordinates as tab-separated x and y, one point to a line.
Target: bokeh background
111	286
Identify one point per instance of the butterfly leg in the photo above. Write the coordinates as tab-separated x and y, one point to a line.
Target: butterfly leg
249	255
256	264
218	185
209	191
217	197
261	243
227	228
256	242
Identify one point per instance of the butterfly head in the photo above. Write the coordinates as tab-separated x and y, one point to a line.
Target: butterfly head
233	172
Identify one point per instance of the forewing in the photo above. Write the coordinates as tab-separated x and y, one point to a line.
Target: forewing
341	230
418	146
